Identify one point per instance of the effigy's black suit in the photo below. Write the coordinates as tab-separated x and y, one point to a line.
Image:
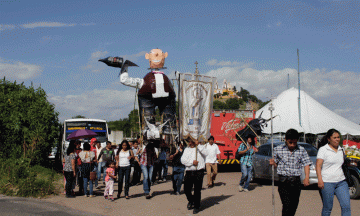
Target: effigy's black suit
166	103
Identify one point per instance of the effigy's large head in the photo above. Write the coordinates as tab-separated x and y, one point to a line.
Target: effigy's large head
156	58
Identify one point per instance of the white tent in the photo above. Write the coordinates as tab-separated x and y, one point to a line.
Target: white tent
315	118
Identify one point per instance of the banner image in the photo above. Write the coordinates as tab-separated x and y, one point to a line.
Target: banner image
196	99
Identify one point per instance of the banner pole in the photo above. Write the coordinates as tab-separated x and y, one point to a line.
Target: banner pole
271	108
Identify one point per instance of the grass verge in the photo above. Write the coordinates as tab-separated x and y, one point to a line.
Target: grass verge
18	178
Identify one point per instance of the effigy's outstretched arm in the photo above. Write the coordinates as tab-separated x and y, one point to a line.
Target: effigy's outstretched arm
129	81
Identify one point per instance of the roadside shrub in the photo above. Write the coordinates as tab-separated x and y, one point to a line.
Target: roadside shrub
19	178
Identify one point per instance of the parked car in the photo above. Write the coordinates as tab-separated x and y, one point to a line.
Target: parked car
262	169
354	169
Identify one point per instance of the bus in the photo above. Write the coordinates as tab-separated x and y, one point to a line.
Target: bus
99	126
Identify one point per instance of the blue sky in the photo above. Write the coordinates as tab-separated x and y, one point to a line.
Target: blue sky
252	44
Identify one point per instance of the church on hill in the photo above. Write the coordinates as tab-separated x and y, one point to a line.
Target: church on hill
225	91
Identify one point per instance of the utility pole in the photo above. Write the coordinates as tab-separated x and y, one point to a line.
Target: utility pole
271	108
299	87
288	81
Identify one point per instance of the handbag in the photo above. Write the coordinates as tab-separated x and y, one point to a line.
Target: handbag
347	174
93	176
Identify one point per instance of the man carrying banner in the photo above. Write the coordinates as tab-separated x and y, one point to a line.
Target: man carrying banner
194	160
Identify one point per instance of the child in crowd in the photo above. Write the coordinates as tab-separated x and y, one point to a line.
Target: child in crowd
109	179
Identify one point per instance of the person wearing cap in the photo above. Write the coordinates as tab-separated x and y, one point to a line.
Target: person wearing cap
194	160
246	150
211	161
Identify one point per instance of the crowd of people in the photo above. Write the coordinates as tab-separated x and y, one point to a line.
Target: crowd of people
190	160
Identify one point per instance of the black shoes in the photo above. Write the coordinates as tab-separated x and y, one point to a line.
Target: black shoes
190	206
70	196
196	210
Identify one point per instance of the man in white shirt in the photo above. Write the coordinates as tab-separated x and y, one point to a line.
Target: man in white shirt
194	160
211	160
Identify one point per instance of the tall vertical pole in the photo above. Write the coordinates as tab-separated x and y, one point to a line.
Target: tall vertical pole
271	108
288	81
178	80
299	87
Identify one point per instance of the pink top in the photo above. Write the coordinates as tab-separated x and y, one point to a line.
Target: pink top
111	171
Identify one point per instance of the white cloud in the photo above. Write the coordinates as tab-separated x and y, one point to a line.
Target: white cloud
6	27
19	70
214	62
46	24
98	54
103	104
337	90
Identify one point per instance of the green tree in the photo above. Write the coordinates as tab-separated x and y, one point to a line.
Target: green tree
262	104
232	103
78	116
225	93
29	125
253	98
219	105
244	94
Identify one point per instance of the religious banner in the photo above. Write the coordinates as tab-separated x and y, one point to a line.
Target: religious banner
196	99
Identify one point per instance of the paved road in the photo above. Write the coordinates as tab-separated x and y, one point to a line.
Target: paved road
223	199
34	207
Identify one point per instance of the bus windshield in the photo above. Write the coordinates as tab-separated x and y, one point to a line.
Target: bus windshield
98	127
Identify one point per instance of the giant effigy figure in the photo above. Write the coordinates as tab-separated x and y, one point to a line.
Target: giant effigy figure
155	90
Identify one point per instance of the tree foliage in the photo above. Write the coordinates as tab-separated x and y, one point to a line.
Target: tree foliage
231	103
78	116
29	125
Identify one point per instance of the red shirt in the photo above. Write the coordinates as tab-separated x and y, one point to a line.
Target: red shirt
93	149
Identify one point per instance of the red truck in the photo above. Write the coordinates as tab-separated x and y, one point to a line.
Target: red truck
224	125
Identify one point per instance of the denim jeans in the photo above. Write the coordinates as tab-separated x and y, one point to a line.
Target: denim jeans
246	176
95	170
124	171
69	176
163	169
147	172
86	181
178	177
137	173
341	190
101	165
